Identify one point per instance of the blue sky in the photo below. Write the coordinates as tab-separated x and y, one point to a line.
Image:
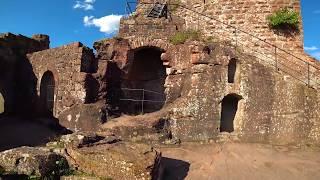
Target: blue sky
67	21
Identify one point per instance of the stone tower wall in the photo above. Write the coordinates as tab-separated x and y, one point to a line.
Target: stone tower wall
242	23
247	15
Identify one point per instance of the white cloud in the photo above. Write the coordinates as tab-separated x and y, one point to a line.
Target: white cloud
85	5
311	48
316	55
90	1
316	11
107	24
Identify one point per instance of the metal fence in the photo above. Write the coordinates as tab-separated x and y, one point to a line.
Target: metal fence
128	7
130	95
265	52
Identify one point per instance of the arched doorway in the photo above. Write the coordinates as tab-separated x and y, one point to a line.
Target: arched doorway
47	92
232	68
146	76
228	112
1	104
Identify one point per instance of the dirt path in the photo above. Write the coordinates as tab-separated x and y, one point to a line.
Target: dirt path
233	161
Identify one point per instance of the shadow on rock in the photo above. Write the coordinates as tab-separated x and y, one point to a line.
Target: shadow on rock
174	169
16	132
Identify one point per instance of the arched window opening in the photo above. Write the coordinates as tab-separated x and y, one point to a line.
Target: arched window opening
1	104
232	68
47	92
144	82
228	112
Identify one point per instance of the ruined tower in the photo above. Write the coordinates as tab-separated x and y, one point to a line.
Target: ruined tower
231	73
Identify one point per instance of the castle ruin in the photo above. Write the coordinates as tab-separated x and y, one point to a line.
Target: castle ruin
241	79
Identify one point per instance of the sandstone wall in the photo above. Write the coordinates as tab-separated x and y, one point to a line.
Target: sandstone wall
71	66
243	23
275	107
16	77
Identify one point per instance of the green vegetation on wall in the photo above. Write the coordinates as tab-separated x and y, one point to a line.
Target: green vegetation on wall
174	5
182	37
284	19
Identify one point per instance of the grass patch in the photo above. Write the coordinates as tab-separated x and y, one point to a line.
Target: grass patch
182	37
2	171
82	174
1	104
174	5
284	19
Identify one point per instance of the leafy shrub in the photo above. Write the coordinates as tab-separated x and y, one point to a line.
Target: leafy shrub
284	19
182	37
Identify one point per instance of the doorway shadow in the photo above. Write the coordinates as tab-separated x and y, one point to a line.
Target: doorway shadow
174	169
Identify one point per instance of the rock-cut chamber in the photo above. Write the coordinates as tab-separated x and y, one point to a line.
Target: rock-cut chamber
143	87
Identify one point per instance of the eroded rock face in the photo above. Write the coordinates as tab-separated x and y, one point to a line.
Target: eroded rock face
270	103
83	117
39	162
148	128
108	157
118	160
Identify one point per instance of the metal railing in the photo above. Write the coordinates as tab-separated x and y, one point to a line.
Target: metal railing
128	7
262	50
143	99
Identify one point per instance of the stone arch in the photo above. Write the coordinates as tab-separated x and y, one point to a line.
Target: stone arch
47	93
232	70
228	112
146	74
2	105
140	42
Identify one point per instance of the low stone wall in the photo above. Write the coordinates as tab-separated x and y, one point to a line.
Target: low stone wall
71	66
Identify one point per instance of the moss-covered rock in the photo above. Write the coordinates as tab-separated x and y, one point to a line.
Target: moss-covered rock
32	162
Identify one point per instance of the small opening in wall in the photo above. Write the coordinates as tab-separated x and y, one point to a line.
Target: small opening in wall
232	67
47	87
228	112
1	104
207	50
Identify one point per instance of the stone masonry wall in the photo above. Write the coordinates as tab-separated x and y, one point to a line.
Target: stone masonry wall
71	66
16	77
243	23
251	17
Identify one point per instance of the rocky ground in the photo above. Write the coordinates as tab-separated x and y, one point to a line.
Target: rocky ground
119	151
91	156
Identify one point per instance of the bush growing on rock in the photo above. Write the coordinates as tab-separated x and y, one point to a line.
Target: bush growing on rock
284	19
182	37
